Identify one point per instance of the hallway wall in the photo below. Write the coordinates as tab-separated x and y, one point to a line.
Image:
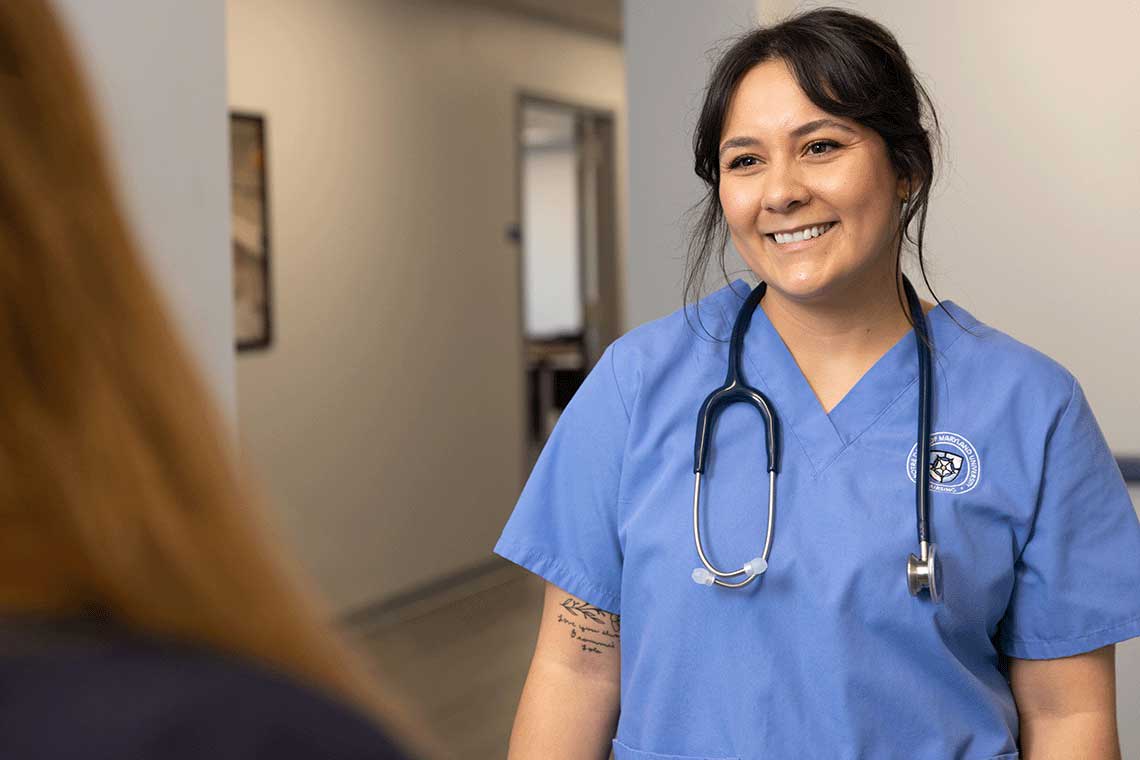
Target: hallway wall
670	47
387	420
157	69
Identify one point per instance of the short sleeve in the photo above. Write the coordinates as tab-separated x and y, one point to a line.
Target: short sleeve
564	526
1077	581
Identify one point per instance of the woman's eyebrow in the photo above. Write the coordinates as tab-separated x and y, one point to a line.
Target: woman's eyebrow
800	131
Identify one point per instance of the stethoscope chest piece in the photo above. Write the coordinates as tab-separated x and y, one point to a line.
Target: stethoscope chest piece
925	573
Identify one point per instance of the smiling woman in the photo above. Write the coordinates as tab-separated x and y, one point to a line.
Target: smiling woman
792	124
998	639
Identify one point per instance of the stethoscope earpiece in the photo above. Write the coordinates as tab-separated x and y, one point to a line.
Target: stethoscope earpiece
703	577
923	572
756	566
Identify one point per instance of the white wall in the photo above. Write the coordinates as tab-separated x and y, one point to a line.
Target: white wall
387	419
158	71
669	47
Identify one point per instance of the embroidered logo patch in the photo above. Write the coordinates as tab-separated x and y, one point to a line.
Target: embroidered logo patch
954	463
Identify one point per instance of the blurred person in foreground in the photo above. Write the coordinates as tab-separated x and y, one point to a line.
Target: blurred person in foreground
143	612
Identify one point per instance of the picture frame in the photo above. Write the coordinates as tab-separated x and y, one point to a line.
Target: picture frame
253	323
1129	468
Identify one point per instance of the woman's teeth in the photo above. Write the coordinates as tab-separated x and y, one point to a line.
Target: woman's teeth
796	237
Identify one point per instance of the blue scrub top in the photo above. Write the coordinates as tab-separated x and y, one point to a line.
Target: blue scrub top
827	654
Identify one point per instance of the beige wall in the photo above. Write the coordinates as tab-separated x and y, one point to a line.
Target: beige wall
387	419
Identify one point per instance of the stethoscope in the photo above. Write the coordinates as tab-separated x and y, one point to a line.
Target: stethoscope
922	572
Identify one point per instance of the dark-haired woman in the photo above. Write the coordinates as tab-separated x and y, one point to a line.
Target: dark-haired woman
810	632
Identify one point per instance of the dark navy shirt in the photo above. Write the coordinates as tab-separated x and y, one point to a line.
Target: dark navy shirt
86	689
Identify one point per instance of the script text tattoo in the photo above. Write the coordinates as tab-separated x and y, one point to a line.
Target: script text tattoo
595	629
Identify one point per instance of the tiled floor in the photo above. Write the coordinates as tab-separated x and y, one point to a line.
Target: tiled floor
462	665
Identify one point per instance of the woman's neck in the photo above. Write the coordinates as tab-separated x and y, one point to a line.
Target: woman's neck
864	323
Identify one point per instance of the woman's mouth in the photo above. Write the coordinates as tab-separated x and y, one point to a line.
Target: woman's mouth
800	239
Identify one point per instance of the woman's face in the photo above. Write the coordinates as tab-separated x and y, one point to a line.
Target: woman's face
778	179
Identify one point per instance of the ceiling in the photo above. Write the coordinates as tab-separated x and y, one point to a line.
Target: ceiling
599	17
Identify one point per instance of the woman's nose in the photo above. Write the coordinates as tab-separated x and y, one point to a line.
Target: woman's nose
783	188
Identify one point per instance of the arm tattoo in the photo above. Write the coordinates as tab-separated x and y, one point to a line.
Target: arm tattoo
594	628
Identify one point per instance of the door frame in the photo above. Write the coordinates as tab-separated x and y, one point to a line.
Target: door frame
525	97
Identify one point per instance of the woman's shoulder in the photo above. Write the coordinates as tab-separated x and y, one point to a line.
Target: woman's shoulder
83	692
976	353
703	321
987	358
689	334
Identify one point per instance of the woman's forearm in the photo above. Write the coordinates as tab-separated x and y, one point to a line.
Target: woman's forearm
1090	735
564	714
1067	705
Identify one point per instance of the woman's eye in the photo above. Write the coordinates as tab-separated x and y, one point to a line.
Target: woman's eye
737	162
821	142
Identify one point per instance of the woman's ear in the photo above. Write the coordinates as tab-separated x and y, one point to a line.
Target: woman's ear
903	188
908	187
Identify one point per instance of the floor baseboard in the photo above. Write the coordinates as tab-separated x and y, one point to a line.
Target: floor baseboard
431	596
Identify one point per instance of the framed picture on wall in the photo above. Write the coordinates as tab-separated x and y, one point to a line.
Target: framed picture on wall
250	207
1130	469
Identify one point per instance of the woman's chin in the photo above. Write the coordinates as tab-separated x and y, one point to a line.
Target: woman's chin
802	285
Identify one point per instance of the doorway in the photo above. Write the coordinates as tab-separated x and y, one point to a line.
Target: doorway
569	290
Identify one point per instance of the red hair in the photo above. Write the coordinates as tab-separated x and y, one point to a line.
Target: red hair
118	484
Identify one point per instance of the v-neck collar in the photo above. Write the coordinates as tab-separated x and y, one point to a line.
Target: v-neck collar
770	367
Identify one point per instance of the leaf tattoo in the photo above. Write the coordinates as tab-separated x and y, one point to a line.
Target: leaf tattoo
592	613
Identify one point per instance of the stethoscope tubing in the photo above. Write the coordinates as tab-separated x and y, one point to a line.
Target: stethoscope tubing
924	382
